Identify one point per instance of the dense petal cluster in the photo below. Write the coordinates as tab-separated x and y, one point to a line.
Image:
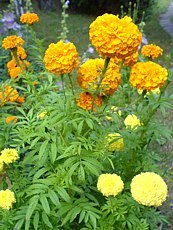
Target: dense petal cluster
110	184
11	119
151	51
148	76
112	36
131	59
29	18
20	53
9	94
88	102
149	189
115	142
12	41
132	121
14	70
7	198
90	72
9	156
61	58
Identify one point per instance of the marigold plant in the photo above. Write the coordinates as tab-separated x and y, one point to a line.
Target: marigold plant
112	36
7	198
149	189
152	51
29	18
148	76
88	102
61	58
12	41
9	155
110	184
115	142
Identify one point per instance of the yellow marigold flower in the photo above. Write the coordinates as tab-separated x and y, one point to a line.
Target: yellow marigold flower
112	36
131	59
149	189
148	76
86	101
132	121
41	115
20	53
115	142
11	118
9	155
29	18
151	51
90	72
12	41
61	58
110	184
7	198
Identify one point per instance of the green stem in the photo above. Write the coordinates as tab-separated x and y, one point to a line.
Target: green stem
63	88
14	51
71	83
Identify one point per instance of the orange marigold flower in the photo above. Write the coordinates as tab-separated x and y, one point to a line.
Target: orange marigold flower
9	94
151	51
148	76
29	18
20	53
12	41
14	70
112	36
11	118
131	59
61	58
20	99
90	72
87	101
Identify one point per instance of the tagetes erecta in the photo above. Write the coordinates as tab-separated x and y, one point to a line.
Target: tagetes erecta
12	42
29	18
88	102
112	36
149	189
61	58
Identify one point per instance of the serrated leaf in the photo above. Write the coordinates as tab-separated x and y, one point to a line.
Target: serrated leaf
36	220
53	152
45	204
46	220
43	148
19	224
64	195
39	173
32	206
53	196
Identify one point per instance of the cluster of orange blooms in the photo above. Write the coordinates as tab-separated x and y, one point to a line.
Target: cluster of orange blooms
29	18
9	94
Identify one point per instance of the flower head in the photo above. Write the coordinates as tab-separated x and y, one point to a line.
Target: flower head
61	58
149	189
132	121
14	70
112	36
90	72
8	94
148	76
6	199
87	101
20	53
9	155
11	119
41	115
110	184
151	51
12	41
115	142
29	18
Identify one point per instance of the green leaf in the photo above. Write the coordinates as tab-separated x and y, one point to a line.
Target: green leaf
39	173
46	220
64	195
53	152
34	142
43	148
54	198
19	224
82	215
27	224
32	206
36	220
91	168
45	204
